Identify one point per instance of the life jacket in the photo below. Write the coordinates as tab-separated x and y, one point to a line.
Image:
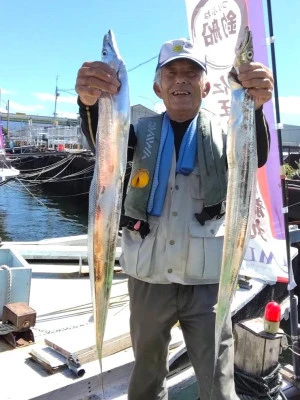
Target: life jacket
211	159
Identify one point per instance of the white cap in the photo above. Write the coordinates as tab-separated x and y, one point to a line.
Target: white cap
180	48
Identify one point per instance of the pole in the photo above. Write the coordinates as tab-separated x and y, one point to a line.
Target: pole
293	299
7	119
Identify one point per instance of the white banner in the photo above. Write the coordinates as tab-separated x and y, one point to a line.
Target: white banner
216	27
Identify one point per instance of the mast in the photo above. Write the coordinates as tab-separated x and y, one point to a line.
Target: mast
293	299
7	122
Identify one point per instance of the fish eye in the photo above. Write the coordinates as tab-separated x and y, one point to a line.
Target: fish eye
250	54
104	53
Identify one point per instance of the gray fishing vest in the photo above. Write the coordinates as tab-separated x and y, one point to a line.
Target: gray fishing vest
211	159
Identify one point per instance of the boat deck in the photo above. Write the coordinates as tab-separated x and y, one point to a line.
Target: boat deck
61	296
62	300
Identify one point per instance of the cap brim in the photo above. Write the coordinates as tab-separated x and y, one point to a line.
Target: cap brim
187	57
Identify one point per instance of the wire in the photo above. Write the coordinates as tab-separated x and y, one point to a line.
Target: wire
70	91
40	202
141	64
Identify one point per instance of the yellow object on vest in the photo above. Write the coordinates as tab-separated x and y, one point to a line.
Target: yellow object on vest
140	179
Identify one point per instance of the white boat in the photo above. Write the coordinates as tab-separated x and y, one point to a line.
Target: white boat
6	170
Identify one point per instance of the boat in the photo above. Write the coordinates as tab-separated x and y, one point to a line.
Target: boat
6	169
61	361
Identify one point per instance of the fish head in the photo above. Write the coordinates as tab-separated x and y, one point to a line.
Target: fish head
244	53
110	52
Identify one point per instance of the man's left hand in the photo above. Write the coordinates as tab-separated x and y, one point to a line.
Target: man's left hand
258	79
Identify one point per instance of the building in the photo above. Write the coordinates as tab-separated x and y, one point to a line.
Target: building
290	137
33	130
140	111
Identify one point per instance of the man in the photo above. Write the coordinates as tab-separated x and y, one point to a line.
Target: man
173	225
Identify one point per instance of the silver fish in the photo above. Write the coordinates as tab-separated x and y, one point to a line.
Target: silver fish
241	190
105	197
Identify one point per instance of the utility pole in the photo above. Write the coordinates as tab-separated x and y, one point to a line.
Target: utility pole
55	104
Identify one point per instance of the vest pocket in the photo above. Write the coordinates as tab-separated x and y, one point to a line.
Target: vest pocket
205	250
145	261
195	189
131	242
137	252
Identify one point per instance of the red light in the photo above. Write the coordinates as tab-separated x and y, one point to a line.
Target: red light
272	312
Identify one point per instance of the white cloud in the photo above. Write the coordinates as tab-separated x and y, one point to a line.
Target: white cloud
290	105
42	104
67	99
67	115
44	96
15	107
60	99
4	91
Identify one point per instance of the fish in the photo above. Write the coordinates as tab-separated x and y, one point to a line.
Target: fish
105	196
241	185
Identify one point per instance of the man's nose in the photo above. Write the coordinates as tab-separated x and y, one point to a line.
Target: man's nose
180	79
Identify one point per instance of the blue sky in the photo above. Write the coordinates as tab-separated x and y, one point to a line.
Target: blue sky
42	41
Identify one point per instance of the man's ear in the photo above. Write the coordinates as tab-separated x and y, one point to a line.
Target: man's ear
206	89
157	90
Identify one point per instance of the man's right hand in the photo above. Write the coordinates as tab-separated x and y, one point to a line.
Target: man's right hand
93	78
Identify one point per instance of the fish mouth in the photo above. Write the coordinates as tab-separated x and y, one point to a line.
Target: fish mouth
181	93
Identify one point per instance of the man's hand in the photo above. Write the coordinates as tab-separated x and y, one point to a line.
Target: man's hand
258	79
94	78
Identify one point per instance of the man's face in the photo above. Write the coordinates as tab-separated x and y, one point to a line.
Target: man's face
182	89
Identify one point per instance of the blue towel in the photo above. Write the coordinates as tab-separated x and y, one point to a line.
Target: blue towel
188	149
162	169
185	163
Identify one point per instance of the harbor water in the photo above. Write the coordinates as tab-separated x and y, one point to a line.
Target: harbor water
28	213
